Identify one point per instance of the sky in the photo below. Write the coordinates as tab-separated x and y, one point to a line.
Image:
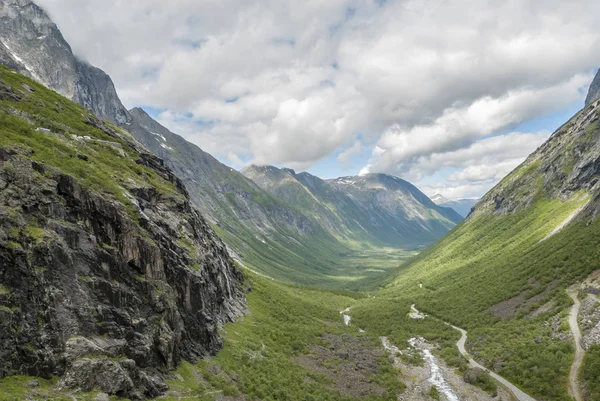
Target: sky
450	95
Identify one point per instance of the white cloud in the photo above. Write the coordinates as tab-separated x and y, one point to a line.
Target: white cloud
461	191
457	128
287	82
352	151
479	167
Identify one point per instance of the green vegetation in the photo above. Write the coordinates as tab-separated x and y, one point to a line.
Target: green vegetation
35	233
434	393
16	388
482	380
57	132
4	290
258	358
590	373
499	264
319	261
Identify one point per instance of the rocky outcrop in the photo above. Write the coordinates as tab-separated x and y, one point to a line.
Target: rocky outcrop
33	45
104	293
594	91
590	321
565	165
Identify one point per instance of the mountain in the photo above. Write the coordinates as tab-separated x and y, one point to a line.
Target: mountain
374	208
32	44
108	277
508	273
265	233
594	90
439	199
460	206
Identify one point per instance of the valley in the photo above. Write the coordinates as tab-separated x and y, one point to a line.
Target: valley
134	265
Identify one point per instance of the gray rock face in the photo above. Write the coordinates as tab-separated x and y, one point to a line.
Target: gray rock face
594	91
568	162
590	321
32	44
108	301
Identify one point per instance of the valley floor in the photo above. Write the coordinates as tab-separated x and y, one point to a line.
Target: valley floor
294	343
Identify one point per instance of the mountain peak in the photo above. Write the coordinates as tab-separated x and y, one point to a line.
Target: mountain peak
18	3
32	44
594	91
439	199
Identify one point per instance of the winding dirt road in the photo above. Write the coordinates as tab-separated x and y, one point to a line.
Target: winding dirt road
519	395
579	351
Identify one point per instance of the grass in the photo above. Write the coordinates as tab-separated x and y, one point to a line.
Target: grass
70	125
259	349
485	261
590	374
16	388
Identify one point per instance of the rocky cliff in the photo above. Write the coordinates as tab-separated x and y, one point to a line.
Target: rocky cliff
594	91
108	277
565	165
33	45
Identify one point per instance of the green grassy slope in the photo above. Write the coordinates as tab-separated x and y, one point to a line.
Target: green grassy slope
48	127
260	349
502	277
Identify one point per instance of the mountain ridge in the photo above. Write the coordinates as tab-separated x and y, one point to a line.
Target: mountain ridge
387	209
28	36
594	90
461	206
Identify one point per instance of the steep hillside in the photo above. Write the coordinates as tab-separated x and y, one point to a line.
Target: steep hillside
502	274
266	233
375	208
108	277
32	44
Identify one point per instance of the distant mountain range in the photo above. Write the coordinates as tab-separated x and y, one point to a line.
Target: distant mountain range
461	206
374	208
286	225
